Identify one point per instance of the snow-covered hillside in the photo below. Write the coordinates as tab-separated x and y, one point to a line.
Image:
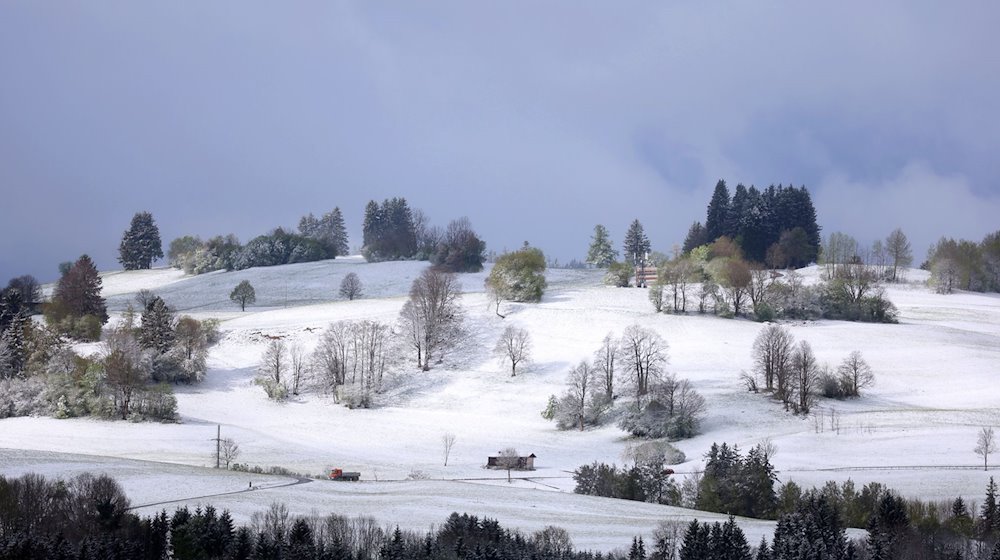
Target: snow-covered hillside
915	430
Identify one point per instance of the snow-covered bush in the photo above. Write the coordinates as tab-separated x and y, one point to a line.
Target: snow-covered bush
23	397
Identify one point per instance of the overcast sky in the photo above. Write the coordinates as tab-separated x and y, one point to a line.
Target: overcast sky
537	120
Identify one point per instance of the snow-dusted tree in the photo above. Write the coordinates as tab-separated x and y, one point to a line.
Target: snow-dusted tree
460	250
229	451
854	374
899	252
577	407
448	440
157	329
273	370
518	276
674	410
601	253
330	358
605	359
8	369
126	370
371	354
333	223
645	353
140	244
655	295
805	377
243	294
772	357
508	458
985	445
636	244
298	367
432	318
513	348
350	286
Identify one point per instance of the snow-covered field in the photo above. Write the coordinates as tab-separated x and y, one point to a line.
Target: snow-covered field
915	430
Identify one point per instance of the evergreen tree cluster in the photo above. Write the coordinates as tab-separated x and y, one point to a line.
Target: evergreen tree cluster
329	231
177	348
736	484
316	239
646	481
140	244
389	231
776	224
716	541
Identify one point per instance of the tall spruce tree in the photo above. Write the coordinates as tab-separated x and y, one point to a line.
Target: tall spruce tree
717	216
737	207
78	292
696	237
636	243
601	254
157	329
140	244
339	231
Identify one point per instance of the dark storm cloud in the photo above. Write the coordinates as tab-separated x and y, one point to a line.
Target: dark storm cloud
535	120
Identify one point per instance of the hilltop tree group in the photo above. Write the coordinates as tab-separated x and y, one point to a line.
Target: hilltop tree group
777	224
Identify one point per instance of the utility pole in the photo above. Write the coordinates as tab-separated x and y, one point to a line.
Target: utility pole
218	444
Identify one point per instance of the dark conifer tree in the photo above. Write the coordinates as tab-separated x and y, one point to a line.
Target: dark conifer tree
636	243
737	207
989	517
339	232
696	542
717	217
140	244
696	237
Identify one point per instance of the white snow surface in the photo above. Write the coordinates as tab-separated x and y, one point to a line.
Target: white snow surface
915	430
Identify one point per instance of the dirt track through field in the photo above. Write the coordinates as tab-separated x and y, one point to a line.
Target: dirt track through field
298	480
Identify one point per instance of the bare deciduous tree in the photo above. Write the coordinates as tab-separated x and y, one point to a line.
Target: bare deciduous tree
759	286
574	406
855	374
329	359
772	354
604	361
508	458
355	353
805	375
297	365
229	450
645	354
448	439
735	282
273	369
513	347
432	317
986	445
350	286
899	252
